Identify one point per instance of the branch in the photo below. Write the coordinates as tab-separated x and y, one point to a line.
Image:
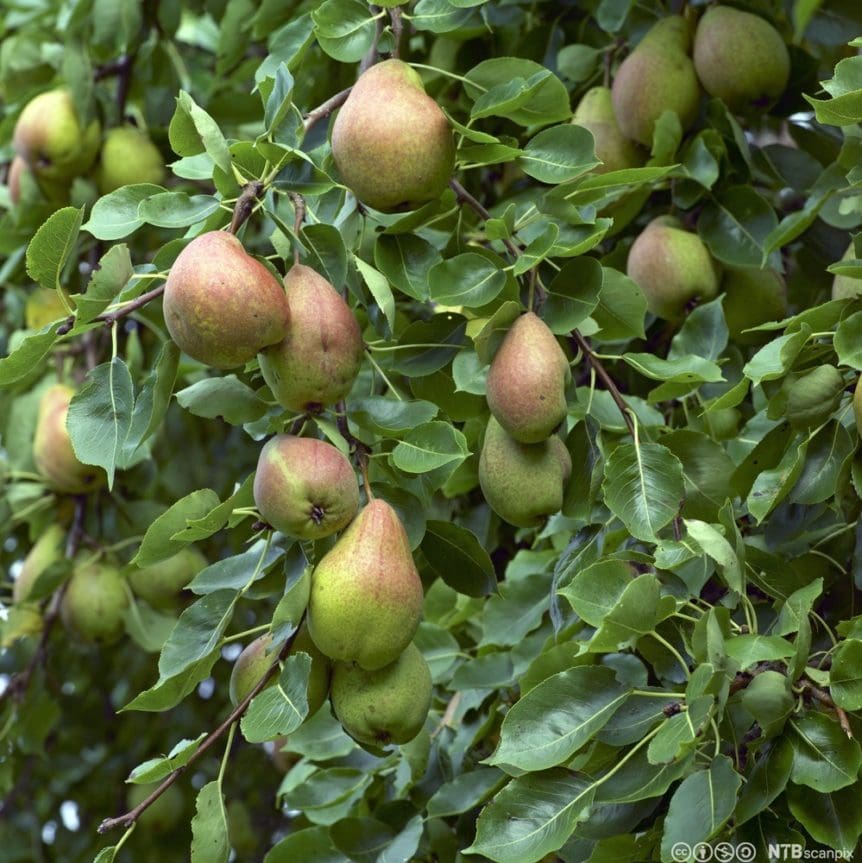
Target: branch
397	29
298	219
464	197
245	205
825	698
360	450
133	814
324	110
110	318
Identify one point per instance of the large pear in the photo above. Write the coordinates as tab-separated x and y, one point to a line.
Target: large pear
161	584
94	602
48	549
657	76
388	705
526	386
50	138
595	112
672	267
221	305
316	362
740	58
391	142
752	297
366	595
128	157
52	447
523	482
305	487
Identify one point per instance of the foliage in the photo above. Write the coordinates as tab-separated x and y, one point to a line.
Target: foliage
674	657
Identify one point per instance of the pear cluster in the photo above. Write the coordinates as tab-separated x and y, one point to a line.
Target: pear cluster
524	466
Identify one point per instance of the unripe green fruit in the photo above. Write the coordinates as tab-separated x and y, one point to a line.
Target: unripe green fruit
160	584
128	157
595	112
814	396
389	705
46	550
94	603
768	698
163	813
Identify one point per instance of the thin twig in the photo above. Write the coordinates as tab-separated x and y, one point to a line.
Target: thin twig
298	219
825	698
464	197
132	815
448	715
245	205
397	29
605	378
324	110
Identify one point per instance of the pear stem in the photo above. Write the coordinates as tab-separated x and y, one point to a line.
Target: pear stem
298	219
132	815
397	29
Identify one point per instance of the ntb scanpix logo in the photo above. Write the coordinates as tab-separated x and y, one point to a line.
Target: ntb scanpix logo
745	852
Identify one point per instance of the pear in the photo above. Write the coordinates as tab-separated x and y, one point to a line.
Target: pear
857	405
221	305
50	139
48	549
161	584
523	483
258	657
672	267
387	705
656	77
316	362
366	595
25	185
305	487
847	287
814	397
526	386
741	59
163	813
752	297
128	157
595	113
391	142
94	602
52	447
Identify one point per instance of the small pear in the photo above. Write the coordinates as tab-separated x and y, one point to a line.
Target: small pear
128	157
741	59
847	287
163	813
257	658
316	362
391	142
526	386
595	113
49	137
94	602
52	447
672	267
752	297
221	305
523	483
656	77
305	487
48	549
366	595
812	398
387	705
161	584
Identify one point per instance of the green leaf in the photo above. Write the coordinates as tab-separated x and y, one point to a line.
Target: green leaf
177	209
210	842
100	417
637	612
115	215
406	260
390	417
622	307
464	792
311	843
157	544
456	555
51	247
192	130
824	758
748	650
27	354
557	717
834	819
114	273
845	675
466	280
344	29
714	544
282	708
681	732
226	398
380	290
430	446
559	154
736	225
848	341
532	816
766	781
157	769
573	294
643	487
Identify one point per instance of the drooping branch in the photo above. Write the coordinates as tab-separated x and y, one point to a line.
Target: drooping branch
209	741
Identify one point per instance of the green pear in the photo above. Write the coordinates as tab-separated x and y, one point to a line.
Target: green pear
847	287
258	657
672	267
391	142
94	602
163	813
857	405
386	705
305	487
741	59
161	584
25	186
770	700
657	76
317	361
812	398
366	595
49	137
128	157
52	447
595	113
523	482
48	549
752	297
221	305
526	386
